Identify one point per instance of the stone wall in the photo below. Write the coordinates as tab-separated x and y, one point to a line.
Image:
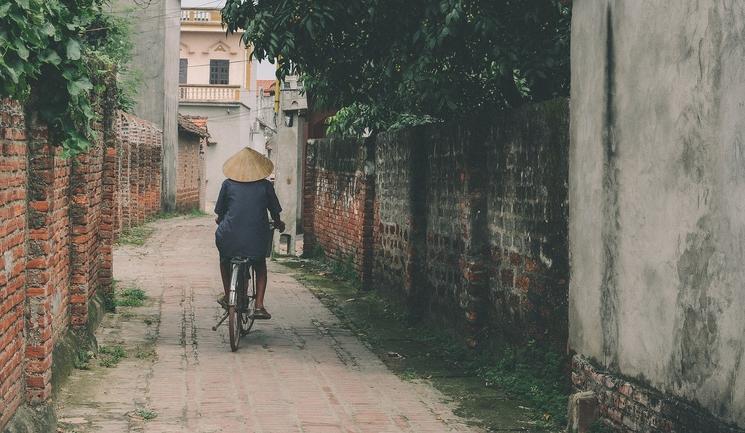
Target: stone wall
57	220
464	223
657	226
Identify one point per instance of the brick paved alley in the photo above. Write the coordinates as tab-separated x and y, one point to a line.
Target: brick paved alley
299	372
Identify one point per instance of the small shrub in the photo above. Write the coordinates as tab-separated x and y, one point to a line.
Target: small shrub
82	358
109	356
135	235
131	297
314	253
146	414
600	427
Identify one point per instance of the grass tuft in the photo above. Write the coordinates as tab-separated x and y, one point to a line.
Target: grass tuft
109	356
131	297
136	236
146	414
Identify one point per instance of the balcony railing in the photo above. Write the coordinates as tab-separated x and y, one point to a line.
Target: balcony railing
209	93
201	16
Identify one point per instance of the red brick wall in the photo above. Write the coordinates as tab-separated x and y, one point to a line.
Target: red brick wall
134	156
12	256
57	221
188	175
48	265
465	223
628	406
337	190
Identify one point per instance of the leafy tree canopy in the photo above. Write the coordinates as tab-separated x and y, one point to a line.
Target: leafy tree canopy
389	63
59	51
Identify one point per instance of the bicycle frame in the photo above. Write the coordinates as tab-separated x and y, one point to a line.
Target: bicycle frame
233	296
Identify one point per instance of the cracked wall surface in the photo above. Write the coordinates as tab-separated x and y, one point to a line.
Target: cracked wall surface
657	196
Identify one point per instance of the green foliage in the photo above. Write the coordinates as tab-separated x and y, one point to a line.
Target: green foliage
131	297
600	427
146	414
82	358
54	58
109	298
109	356
316	252
387	62
534	374
137	235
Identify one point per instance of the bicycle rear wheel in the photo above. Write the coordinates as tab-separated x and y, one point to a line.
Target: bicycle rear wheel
235	311
234	327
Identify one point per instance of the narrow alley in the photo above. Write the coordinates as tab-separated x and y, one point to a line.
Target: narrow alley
299	372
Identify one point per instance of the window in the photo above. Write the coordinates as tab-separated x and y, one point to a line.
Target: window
219	71
183	69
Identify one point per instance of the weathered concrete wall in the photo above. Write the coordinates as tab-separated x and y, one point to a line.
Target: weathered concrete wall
287	155
155	58
657	193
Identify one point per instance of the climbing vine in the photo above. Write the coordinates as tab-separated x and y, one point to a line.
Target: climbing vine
52	52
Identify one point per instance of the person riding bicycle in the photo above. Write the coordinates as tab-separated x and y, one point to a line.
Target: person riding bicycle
242	223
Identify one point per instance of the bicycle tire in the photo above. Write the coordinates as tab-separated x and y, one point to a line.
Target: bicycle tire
234	327
234	312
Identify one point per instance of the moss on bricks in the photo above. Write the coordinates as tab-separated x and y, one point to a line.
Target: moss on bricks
68	353
72	348
35	419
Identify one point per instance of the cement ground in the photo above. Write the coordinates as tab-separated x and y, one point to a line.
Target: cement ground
303	371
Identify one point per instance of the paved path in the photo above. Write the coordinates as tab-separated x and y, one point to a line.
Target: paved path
299	372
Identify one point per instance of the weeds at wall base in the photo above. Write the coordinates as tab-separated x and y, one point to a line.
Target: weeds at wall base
485	383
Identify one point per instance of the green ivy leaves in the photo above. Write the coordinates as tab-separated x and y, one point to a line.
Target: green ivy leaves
42	43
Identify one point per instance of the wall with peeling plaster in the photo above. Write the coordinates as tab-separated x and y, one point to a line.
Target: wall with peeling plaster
657	196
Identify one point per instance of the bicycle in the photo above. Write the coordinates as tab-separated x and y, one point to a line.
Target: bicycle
242	297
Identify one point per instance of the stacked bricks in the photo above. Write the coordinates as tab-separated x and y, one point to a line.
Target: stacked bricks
395	231
336	169
134	157
13	165
526	191
88	240
630	406
188	175
48	265
468	224
57	218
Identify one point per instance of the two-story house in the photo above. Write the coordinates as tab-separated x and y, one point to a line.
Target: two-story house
217	81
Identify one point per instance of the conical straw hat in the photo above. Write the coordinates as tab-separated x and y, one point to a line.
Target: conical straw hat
247	165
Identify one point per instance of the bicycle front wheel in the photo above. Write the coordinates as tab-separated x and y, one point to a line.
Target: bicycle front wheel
248	320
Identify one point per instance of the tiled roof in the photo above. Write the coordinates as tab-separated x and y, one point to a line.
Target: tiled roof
196	125
267	85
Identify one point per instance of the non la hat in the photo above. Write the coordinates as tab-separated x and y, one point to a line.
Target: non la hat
247	165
